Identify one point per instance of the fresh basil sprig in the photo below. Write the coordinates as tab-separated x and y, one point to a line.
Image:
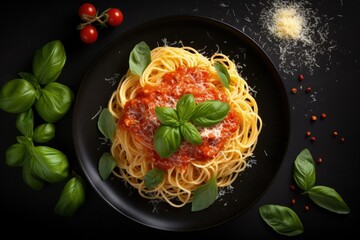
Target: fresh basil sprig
223	74
153	178
282	219
140	58
323	196
106	125
182	122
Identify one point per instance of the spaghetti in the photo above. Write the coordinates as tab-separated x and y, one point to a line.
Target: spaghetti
225	147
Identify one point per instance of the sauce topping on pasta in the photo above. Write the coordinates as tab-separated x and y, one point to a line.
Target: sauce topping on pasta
140	120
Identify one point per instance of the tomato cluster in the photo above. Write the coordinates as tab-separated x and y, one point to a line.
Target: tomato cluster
90	16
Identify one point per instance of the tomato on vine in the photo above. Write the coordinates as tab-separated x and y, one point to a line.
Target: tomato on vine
115	17
87	10
88	34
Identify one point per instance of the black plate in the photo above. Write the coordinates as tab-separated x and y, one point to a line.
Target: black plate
207	36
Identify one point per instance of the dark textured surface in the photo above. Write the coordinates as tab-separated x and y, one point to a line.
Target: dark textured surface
334	80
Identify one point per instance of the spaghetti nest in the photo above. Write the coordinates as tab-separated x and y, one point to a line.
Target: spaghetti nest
134	150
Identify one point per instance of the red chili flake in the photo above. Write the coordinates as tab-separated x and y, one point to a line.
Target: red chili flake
301	77
306	208
335	133
293	201
308	133
320	160
308	90
323	115
342	139
313	139
292	187
293	90
313	118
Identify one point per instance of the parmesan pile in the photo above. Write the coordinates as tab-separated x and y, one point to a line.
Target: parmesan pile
287	23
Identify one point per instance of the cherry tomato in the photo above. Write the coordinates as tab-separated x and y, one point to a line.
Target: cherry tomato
88	34
115	17
87	9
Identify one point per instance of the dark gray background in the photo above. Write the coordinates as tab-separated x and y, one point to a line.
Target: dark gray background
27	26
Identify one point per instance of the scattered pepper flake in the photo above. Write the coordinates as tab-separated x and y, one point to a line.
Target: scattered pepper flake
313	118
293	201
342	139
306	208
301	77
335	133
313	139
323	116
320	160
293	90
292	187
307	133
308	90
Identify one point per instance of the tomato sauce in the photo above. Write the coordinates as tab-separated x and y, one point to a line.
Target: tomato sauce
140	120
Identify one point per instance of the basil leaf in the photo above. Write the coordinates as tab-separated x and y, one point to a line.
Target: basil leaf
44	133
190	133
153	178
106	165
31	78
304	170
71	198
209	113
49	164
167	116
15	155
48	62
167	140
186	107
140	58
329	199
54	102
282	219
205	195
29	178
17	95
106	124
223	74
25	122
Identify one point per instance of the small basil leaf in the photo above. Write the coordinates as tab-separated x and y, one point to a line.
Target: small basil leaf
49	164
106	165
44	133
304	170
282	219
223	74
167	116
186	107
153	178
71	198
209	113
106	124
140	58
29	178
17	95
167	140
329	199
54	102
48	62
205	195
29	77
27	141
15	155
25	122
190	133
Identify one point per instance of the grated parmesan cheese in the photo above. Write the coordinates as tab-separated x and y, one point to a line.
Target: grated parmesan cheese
287	24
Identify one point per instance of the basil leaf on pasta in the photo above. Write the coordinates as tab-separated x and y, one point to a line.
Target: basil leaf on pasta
106	165
185	107
190	133
223	74
167	140
167	116
153	178
209	113
140	58
106	124
205	195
